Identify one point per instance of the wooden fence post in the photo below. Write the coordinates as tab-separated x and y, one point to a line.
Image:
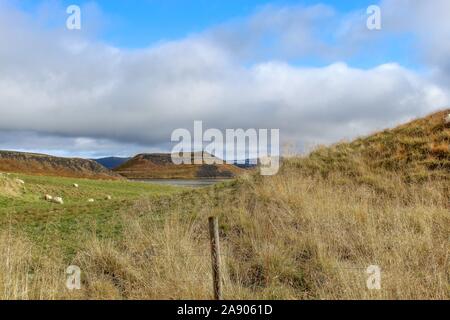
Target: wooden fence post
215	257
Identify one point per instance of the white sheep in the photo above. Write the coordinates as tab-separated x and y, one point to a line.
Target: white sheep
58	200
48	197
108	197
91	200
75	185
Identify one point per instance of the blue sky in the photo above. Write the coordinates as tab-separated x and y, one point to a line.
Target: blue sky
139	23
144	23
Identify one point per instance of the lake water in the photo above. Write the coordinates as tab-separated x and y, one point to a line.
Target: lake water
192	183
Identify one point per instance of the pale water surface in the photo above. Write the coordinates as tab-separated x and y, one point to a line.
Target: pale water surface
192	183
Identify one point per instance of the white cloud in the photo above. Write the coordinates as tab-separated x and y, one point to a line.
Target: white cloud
57	88
429	21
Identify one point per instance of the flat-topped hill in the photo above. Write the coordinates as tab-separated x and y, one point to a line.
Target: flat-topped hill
41	164
160	166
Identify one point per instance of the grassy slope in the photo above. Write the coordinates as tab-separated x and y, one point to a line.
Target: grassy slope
307	233
418	150
65	225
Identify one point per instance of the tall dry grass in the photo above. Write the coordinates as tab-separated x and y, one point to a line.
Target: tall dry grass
9	187
27	274
291	236
296	235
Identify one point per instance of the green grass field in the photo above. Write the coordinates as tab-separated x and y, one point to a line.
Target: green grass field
64	227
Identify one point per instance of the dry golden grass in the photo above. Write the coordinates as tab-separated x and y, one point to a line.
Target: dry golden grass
291	236
419	150
9	187
27	274
309	232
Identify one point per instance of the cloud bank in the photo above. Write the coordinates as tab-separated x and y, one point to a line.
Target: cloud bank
67	93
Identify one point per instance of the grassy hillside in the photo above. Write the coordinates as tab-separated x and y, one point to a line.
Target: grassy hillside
309	232
160	166
41	164
418	150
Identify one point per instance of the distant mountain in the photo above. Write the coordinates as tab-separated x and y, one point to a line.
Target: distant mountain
42	164
160	166
111	162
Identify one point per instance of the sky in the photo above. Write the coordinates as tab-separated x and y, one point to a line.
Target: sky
137	70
